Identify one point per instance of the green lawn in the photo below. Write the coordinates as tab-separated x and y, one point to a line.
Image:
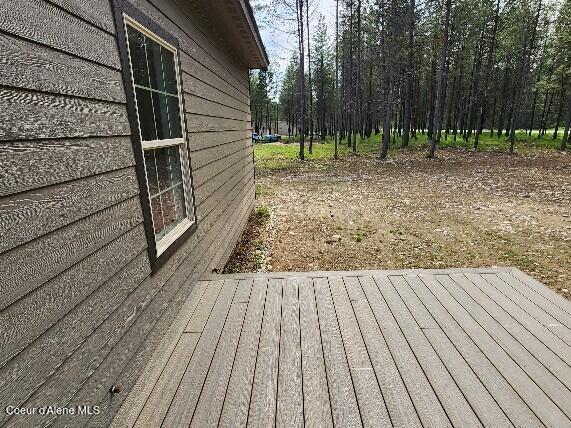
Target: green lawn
284	156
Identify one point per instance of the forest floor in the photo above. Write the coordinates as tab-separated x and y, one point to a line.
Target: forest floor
462	209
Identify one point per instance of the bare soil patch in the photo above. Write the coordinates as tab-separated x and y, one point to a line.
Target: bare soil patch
463	209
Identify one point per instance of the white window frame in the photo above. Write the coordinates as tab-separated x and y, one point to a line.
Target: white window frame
168	239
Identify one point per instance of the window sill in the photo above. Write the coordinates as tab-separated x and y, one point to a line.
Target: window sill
173	235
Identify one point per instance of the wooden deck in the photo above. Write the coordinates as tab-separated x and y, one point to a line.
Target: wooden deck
485	347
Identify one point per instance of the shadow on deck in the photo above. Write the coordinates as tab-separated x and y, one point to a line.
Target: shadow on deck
460	347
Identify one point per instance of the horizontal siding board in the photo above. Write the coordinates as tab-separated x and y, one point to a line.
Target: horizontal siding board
231	244
202	106
206	156
201	123
217	57
30	265
28	318
192	86
169	16
96	12
26	372
141	339
28	165
58	116
28	215
42	22
241	179
78	309
205	173
204	140
211	186
28	65
198	70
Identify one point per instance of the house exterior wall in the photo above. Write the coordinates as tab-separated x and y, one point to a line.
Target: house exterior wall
79	308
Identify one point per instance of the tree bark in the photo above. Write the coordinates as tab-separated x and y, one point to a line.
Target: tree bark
565	139
527	48
336	95
409	76
483	99
441	84
309	83
559	111
301	79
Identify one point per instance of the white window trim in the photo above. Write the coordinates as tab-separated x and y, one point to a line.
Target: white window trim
168	239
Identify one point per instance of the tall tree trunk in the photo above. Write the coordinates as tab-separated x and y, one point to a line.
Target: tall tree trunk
336	95
483	99
431	103
474	106
559	111
390	84
409	75
566	136
504	102
309	83
357	118
527	48
301	79
441	84
457	103
546	116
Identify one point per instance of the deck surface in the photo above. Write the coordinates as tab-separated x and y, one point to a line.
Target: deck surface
466	347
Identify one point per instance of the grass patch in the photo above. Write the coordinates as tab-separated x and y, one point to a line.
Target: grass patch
286	156
262	214
260	190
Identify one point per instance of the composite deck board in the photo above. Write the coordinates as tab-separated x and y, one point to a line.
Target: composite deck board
211	398
397	399
317	409
238	392
369	396
184	402
480	399
395	348
157	365
262	411
445	387
506	397
495	288
555	364
426	402
540	289
341	390
551	316
289	408
524	385
530	363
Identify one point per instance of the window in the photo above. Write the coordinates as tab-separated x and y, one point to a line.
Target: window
157	121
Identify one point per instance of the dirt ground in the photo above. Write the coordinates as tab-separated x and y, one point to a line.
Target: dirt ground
463	209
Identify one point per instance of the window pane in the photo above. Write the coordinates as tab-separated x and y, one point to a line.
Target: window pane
157	213
176	178
151	170
169	210
179	201
161	116
138	60
163	168
174	117
155	67
169	72
146	119
174	158
167	205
